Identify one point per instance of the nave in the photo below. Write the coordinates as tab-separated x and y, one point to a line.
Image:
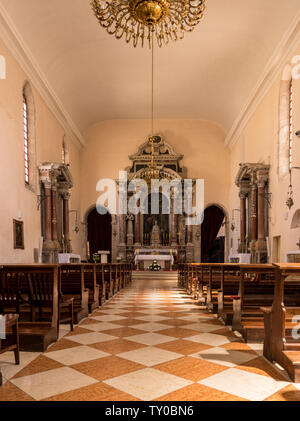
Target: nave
149	342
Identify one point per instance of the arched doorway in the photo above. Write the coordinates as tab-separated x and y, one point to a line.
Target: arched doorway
99	232
212	237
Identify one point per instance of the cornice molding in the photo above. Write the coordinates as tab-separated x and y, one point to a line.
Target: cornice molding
272	70
22	54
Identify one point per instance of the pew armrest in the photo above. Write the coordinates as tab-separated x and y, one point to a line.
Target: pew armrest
266	310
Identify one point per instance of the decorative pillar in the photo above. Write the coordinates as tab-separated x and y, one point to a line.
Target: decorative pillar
253	217
189	235
243	219
130	219
173	219
47	213
66	222
261	245
54	214
137	227
122	223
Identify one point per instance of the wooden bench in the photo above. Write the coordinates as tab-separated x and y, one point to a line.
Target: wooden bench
72	285
280	345
256	289
41	280
230	281
11	340
108	281
93	283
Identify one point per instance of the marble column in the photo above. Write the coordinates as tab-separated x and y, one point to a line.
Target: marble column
47	215
243	220
253	217
54	213
122	230
130	219
137	227
189	235
66	222
261	245
173	220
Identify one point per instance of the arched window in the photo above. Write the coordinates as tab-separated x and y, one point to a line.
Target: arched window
285	145
30	170
26	148
291	124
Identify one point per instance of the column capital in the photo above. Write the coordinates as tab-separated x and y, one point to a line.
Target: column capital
262	178
243	194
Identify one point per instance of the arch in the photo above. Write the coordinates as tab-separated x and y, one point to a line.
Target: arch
296	219
284	122
29	136
213	250
99	232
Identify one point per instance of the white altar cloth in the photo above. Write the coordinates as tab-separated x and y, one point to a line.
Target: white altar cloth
165	251
64	258
160	258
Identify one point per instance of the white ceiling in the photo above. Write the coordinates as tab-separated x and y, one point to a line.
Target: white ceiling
209	75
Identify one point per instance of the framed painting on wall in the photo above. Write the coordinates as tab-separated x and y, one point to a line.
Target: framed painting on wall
18	234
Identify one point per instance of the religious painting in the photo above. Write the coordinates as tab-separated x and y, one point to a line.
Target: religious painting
18	234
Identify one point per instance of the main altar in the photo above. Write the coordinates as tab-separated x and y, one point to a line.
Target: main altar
144	237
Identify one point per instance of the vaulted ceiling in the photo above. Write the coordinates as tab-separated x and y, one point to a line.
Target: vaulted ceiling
209	75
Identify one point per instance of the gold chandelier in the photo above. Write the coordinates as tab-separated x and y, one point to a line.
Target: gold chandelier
142	20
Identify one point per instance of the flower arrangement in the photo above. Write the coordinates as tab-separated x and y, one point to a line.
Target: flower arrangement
96	258
155	266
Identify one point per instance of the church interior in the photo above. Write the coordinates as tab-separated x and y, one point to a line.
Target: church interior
134	299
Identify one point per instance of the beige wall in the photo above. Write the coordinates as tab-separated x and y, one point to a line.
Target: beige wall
15	197
109	143
259	143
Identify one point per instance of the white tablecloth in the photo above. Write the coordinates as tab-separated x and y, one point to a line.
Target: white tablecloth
64	258
152	257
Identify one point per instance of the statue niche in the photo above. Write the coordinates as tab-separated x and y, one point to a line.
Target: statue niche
156	227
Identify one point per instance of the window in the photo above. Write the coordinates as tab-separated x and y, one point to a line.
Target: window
26	139
30	167
285	140
291	125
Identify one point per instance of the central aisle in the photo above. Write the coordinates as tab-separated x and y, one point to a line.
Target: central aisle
150	342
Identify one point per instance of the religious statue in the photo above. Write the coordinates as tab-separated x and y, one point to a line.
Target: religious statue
155	235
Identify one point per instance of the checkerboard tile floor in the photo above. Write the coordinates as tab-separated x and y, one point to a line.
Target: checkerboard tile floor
150	342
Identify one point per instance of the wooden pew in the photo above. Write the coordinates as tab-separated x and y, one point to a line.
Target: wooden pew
91	282
107	279
256	290
280	345
72	285
34	335
230	281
